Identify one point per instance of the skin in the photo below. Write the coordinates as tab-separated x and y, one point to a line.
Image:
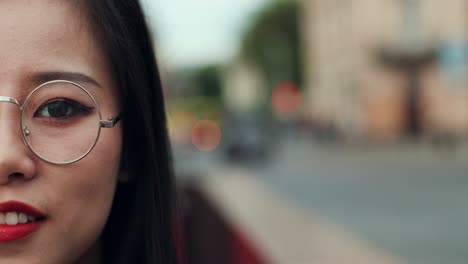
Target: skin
48	36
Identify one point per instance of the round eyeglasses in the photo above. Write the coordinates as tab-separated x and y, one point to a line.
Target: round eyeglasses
61	121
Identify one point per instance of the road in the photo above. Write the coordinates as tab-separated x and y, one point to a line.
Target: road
407	201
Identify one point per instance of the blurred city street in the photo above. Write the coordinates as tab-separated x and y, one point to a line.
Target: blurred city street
345	122
409	201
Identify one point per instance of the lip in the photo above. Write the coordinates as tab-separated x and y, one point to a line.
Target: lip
15	232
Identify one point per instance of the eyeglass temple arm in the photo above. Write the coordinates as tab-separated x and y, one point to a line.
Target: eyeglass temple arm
111	121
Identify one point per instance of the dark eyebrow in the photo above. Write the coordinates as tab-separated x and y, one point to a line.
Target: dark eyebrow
43	77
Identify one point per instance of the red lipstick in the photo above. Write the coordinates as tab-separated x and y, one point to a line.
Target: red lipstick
18	231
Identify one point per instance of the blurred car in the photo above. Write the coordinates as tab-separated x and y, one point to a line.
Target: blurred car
247	138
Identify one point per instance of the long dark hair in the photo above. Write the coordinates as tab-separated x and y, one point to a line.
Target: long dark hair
139	229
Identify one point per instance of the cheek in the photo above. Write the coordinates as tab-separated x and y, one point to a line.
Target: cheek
83	195
94	177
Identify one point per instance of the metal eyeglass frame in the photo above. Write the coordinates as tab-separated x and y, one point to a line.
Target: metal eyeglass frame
106	123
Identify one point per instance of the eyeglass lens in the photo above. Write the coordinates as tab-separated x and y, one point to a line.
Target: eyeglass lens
60	122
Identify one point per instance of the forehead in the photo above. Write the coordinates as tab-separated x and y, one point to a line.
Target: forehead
46	35
39	26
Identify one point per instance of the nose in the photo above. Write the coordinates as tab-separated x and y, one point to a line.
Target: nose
16	161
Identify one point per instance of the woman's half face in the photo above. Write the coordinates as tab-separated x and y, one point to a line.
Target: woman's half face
52	213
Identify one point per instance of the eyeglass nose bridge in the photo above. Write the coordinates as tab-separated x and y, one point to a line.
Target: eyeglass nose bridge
8	99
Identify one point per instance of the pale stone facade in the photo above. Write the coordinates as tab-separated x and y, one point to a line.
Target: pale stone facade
348	83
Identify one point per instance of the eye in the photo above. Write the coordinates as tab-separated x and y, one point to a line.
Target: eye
61	109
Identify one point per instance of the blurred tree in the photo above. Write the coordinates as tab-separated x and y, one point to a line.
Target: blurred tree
273	42
208	81
203	92
196	92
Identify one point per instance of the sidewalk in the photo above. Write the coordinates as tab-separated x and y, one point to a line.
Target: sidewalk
281	231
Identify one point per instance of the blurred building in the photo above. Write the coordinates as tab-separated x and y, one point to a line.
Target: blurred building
384	69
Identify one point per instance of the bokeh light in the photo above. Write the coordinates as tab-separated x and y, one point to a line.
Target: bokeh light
286	97
206	135
180	126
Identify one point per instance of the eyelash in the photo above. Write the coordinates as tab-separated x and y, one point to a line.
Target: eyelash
77	109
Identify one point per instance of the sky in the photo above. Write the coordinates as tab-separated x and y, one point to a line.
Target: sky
199	32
